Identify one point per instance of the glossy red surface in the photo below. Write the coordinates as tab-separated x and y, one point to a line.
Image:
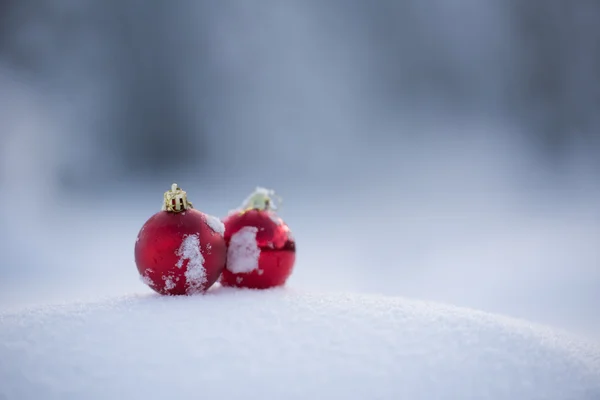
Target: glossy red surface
277	250
157	246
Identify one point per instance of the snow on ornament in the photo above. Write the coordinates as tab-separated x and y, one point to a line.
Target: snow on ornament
261	250
180	250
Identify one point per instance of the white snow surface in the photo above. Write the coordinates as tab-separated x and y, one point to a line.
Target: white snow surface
215	224
195	273
243	251
284	344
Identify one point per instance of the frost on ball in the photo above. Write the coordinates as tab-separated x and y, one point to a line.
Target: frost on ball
169	283
215	224
195	273
243	252
146	279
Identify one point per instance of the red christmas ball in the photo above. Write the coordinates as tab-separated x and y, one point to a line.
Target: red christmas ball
261	250
180	250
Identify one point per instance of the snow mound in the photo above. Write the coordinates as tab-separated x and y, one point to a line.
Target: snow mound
281	344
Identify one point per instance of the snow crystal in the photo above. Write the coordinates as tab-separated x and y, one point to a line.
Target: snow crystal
195	273
243	251
169	284
215	224
145	279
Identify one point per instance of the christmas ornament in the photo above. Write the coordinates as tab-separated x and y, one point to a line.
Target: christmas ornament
180	250
261	250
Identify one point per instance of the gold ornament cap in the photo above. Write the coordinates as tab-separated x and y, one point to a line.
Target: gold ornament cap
175	200
261	199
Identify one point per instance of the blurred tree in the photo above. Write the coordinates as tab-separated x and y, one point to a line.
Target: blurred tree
136	79
114	67
154	129
558	54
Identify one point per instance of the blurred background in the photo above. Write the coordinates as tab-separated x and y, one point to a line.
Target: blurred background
441	150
